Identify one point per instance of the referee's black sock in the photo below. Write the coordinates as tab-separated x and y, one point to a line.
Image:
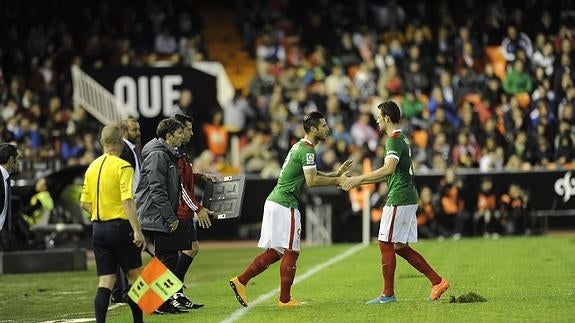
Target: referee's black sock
136	310
101	303
184	262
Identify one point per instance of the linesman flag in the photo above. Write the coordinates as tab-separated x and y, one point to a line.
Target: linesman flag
154	286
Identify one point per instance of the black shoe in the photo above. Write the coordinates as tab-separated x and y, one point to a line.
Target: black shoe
171	306
184	300
176	303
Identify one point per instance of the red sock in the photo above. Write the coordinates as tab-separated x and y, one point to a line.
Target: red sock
260	263
387	267
419	263
287	274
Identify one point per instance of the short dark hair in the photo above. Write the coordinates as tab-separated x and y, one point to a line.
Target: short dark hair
390	109
312	119
183	118
167	126
7	151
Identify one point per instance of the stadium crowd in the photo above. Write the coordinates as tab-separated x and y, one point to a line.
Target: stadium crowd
485	86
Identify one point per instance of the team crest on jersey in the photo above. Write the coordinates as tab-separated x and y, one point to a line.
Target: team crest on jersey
310	158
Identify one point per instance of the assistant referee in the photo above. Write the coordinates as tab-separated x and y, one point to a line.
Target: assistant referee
117	238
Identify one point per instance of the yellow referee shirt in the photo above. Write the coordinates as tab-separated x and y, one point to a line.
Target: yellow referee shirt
108	182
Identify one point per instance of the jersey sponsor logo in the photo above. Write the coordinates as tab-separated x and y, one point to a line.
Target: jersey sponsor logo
309	159
565	186
392	152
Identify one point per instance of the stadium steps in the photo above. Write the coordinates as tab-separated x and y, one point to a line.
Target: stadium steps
223	42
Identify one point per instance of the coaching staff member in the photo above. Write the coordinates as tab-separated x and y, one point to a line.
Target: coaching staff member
158	196
9	164
117	238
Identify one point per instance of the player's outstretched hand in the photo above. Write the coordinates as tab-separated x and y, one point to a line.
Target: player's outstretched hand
344	167
350	183
204	218
342	178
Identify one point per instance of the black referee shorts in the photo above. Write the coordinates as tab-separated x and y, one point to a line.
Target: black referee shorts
181	239
113	243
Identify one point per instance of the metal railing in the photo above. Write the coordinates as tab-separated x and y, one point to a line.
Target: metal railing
93	97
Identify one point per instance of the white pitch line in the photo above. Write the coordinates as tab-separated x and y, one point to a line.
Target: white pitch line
83	319
314	270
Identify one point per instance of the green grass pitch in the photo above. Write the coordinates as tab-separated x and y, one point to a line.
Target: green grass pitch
524	279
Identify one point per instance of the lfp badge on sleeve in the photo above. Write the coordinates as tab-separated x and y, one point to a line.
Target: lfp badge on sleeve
154	286
225	196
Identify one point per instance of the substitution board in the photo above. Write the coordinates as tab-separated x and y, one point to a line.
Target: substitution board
225	196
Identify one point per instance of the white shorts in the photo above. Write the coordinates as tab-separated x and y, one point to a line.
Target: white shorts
281	227
398	224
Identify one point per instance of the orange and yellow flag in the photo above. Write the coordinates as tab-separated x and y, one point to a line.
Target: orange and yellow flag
154	286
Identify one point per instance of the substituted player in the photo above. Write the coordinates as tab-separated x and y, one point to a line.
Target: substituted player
398	226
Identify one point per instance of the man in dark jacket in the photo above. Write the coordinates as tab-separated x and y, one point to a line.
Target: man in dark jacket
158	196
131	137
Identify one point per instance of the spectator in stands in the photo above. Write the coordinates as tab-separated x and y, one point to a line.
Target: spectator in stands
518	80
493	156
365	79
436	100
491	88
389	15
383	60
468	59
515	41
185	104
270	49
522	148
439	147
338	84
391	81
544	58
447	89
465	153
464	39
416	80
165	43
363	133
301	103
237	114
411	105
291	82
346	52
564	142
216	135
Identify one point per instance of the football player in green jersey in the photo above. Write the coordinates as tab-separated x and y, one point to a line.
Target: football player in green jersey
281	224
398	226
